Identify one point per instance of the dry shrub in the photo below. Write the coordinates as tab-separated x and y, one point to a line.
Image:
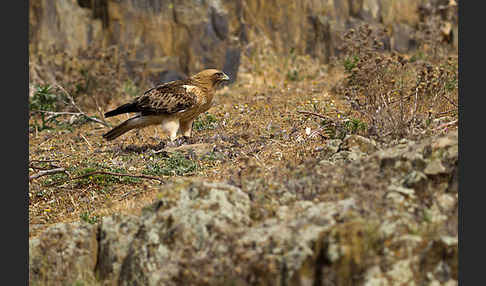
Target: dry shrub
262	66
395	95
92	77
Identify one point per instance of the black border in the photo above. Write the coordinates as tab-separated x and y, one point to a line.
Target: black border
471	88
15	141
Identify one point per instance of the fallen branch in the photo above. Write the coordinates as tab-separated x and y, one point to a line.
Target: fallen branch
445	112
42	168
107	173
446	124
51	165
44	161
315	114
47	172
73	103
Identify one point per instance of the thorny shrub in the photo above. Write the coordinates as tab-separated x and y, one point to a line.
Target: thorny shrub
394	95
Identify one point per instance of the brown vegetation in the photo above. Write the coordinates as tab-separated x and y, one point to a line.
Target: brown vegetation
275	120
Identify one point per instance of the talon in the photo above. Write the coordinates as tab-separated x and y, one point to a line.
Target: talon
171	144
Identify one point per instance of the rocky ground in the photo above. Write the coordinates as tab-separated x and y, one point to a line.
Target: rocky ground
386	217
261	194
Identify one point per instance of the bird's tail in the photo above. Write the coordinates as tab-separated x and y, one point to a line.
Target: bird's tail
121	129
125	108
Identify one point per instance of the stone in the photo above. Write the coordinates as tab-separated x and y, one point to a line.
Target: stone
115	236
343	223
173	39
65	253
359	143
434	167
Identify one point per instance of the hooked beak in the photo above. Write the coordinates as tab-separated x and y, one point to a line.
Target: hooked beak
225	77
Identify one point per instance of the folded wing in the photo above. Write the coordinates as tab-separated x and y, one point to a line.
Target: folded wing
168	98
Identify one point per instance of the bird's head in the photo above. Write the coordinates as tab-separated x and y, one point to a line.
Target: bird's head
210	78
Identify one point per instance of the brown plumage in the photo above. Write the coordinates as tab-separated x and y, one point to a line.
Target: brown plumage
174	105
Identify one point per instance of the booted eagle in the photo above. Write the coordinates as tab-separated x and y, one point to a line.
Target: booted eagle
174	105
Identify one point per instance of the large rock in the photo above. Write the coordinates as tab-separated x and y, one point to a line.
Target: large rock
388	218
186	227
63	254
171	39
168	39
115	236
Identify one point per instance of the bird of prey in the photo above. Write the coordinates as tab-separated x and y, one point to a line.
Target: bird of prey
174	105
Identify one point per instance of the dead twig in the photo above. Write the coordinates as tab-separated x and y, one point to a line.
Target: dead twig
107	173
86	140
445	112
54	114
450	101
47	172
446	124
42	168
43	161
50	163
73	103
415	109
315	114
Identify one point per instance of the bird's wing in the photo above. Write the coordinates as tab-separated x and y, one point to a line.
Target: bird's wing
168	98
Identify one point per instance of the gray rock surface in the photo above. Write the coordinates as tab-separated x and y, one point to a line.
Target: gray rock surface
389	218
63	254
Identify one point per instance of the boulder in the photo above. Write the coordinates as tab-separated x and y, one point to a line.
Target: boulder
172	39
385	219
63	254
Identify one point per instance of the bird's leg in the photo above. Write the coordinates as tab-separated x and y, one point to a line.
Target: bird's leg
186	128
171	127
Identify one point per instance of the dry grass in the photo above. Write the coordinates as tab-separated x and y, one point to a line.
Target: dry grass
254	130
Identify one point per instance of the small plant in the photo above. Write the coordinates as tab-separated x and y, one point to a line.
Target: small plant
130	88
44	99
105	180
88	218
213	156
340	128
205	122
418	56
350	63
97	179
354	125
54	178
175	165
293	75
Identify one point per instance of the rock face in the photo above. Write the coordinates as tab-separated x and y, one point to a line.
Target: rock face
170	39
402	230
65	254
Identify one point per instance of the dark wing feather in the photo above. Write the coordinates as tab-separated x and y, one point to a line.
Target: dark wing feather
167	98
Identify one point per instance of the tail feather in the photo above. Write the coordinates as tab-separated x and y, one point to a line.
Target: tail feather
125	108
121	129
